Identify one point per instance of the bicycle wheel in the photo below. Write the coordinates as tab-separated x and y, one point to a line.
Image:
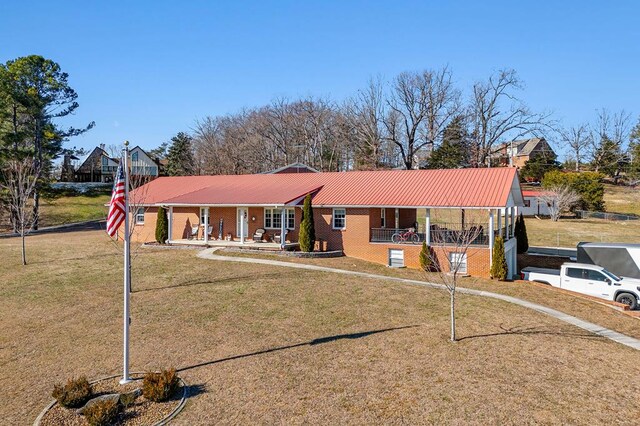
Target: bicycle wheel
396	238
415	238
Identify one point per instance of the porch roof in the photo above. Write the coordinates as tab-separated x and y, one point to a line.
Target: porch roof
466	188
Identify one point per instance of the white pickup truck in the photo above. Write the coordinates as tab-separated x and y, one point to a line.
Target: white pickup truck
588	279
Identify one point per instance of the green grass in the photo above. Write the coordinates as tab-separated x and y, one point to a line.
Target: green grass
569	232
62	210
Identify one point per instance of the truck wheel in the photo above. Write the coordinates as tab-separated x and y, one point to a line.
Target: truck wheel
627	299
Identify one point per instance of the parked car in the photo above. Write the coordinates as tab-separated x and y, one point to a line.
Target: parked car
592	280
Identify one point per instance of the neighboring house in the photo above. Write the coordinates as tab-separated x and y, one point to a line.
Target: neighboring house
293	168
142	165
533	204
354	212
96	167
517	153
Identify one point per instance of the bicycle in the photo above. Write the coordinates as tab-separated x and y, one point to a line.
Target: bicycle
408	236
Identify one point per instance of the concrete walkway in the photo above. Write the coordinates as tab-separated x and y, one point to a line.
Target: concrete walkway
585	325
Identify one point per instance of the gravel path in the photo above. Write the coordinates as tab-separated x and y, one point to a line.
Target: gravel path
585	325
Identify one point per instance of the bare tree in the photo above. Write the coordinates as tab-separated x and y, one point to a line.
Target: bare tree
496	113
452	245
578	138
364	114
19	180
419	108
559	199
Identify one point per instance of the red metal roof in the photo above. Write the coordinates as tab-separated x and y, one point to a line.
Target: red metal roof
533	193
398	188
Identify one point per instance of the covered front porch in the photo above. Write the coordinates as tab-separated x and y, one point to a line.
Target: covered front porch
262	228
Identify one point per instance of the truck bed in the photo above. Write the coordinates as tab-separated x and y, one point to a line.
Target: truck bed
542	270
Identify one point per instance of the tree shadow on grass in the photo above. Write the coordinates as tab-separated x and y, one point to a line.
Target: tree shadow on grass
524	331
313	342
249	278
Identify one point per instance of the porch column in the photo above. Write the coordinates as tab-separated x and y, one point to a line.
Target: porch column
170	227
206	225
427	231
499	222
241	211
491	235
462	218
282	226
397	212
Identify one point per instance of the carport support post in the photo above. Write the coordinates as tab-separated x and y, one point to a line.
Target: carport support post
506	224
170	226
499	212
206	225
491	235
427	230
283	216
513	221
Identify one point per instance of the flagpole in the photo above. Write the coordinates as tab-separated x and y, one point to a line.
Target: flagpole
127	268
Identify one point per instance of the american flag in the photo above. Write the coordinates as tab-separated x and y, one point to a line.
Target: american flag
116	214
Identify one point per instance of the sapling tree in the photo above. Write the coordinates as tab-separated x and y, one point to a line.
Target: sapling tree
454	244
19	180
559	199
307	236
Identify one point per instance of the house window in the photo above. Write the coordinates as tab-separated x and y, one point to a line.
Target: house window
383	218
134	156
105	161
527	203
396	258
202	216
273	218
339	218
458	262
140	216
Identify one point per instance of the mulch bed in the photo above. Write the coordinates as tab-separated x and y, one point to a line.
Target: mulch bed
141	412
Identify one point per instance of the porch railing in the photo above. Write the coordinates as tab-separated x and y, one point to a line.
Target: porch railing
447	233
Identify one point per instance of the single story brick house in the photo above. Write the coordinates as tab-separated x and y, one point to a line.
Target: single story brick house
355	212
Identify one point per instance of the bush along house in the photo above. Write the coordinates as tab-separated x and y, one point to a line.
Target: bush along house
359	213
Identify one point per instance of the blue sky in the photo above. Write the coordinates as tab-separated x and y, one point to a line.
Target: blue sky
145	70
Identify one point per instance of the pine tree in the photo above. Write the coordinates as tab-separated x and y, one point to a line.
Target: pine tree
307	237
180	160
426	263
499	268
162	226
521	234
452	152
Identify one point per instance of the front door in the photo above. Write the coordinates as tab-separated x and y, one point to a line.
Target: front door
242	221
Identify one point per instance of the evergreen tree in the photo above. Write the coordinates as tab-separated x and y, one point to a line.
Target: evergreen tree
634	152
426	263
180	160
521	234
452	152
162	226
535	169
499	268
607	157
307	237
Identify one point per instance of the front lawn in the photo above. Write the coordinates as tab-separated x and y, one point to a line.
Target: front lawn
271	345
569	232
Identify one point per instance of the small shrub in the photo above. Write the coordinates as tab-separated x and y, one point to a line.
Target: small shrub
160	386
162	226
103	413
74	394
425	257
499	267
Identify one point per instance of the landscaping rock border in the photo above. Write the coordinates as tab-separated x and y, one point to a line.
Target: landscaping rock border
300	254
162	422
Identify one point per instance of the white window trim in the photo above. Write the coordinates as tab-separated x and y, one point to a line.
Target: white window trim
333	219
383	217
464	260
271	210
138	214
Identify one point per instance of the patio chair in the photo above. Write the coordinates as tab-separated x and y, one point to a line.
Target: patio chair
209	232
277	237
193	233
257	237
